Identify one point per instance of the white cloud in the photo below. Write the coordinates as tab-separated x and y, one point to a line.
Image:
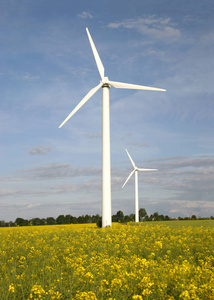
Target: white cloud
26	76
151	26
85	15
33	205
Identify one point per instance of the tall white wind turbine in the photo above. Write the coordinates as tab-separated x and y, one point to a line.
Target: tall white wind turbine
105	83
136	169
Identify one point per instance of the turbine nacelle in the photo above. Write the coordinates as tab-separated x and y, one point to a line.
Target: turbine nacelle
104	80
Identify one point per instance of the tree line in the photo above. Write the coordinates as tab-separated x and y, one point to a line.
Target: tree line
69	219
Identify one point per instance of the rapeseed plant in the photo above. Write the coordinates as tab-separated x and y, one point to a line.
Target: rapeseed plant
137	261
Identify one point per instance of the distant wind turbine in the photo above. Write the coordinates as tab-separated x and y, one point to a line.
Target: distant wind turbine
105	83
136	169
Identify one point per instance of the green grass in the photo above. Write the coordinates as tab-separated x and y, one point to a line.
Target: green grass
183	223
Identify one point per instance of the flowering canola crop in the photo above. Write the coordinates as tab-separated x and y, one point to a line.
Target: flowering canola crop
134	261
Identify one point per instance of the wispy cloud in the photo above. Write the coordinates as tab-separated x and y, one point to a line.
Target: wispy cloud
180	179
40	150
173	163
13	192
139	144
151	26
27	76
85	15
57	171
93	135
33	205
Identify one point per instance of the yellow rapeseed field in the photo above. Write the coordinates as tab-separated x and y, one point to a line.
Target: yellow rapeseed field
134	261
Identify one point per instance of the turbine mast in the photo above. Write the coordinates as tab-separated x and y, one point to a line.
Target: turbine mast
106	161
136	197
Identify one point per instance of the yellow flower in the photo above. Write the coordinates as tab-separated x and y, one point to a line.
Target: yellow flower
86	296
159	244
36	292
185	295
137	297
11	288
116	283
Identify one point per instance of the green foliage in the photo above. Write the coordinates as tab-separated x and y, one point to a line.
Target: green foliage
99	222
142	214
84	219
50	221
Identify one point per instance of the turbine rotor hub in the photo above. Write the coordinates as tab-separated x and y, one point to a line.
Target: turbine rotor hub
105	81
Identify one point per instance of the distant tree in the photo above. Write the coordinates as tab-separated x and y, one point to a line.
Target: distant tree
142	214
50	221
99	222
95	218
156	215
114	218
43	221
36	221
161	218
60	219
26	222
88	219
21	222
80	219
151	217
132	217
11	224
120	215
68	219
2	223
127	218
74	220
194	217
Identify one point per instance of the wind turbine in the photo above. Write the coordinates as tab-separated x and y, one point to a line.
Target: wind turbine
105	83
136	169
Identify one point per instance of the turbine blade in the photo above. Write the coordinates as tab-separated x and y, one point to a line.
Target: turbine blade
121	85
96	55
82	102
147	169
133	164
128	178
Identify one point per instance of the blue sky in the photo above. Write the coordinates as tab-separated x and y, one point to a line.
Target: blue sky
47	67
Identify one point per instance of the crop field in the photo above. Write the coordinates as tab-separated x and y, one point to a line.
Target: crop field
149	260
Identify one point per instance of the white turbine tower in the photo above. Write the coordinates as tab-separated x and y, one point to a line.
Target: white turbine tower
136	169
105	83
